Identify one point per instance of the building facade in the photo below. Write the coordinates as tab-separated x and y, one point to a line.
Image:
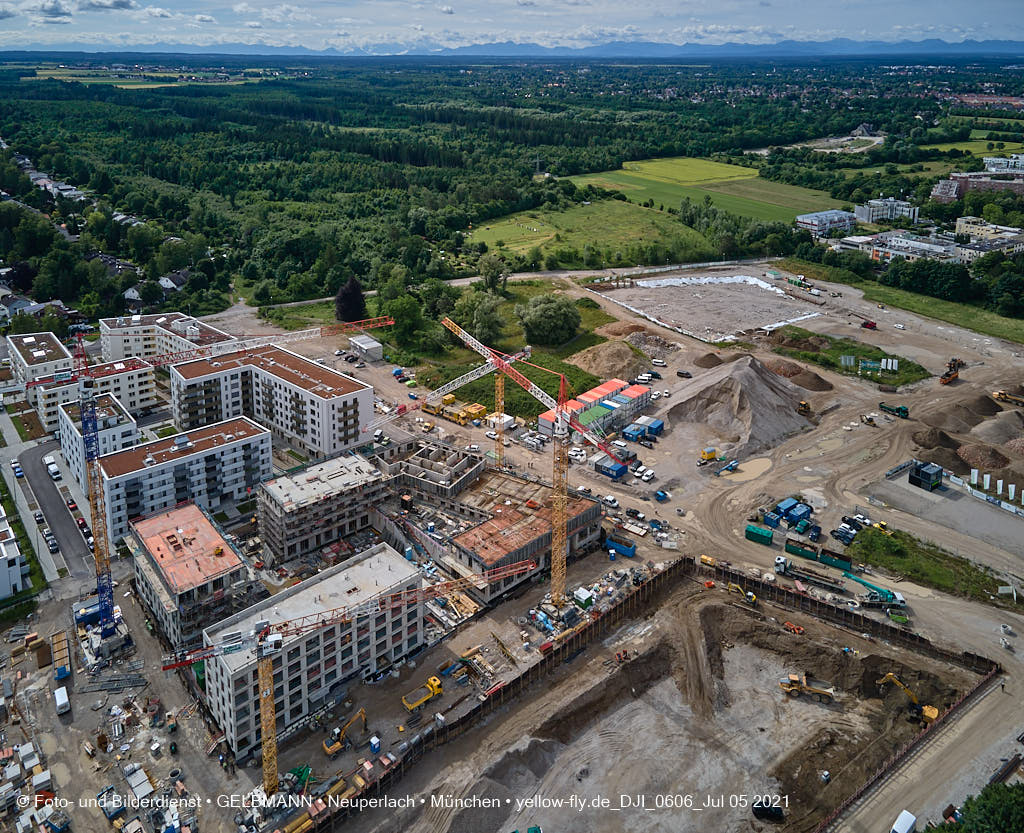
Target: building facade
116	431
148	336
188	574
311	669
889	208
317	410
998	164
978	229
220	464
901	244
823	223
14	568
302	512
958	184
132	381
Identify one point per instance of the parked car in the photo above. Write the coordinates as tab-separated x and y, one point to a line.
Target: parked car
51	545
351	359
18	472
71	504
646	443
15	464
659	363
90	543
583	490
39	518
684	374
360	364
611	501
82	523
636	513
648	476
339	352
654	374
655	395
853	523
491	435
899	326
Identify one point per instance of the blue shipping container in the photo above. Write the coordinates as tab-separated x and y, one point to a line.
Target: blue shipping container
772	519
621	545
612	470
656	427
798	513
785	505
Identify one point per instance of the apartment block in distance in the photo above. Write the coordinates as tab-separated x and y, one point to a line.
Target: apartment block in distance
148	336
311	670
188	574
37	356
823	223
302	512
132	381
116	431
889	208
217	465
313	408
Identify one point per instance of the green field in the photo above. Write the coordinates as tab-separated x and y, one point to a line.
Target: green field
930	169
979	147
830	357
607	223
731	187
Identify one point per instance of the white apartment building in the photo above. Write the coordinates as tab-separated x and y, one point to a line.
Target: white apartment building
216	465
148	336
978	229
132	381
14	569
116	430
889	245
311	669
37	356
317	410
889	208
822	223
1001	164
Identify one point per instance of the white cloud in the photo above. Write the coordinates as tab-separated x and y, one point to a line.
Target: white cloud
526	2
156	11
285	13
253	24
49	9
243	8
447	10
7	12
204	18
106	5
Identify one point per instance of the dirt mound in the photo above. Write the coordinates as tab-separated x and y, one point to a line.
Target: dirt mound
781	367
1001	429
934	438
1016	446
743	399
708	360
619	329
651	345
982	457
983	405
613	359
948	459
811	344
809	380
956	419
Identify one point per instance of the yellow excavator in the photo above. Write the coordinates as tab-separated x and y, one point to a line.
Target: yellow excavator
334	744
926	714
803	408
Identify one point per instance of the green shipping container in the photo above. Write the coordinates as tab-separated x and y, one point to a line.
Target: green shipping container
794	548
759	535
833	559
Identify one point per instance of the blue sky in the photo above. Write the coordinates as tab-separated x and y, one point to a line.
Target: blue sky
398	24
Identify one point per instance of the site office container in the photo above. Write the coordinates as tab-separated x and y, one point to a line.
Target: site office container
759	535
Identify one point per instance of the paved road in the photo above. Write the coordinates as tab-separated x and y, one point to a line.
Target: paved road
58	518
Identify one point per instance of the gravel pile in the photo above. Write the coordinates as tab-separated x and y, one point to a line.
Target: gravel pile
652	345
982	457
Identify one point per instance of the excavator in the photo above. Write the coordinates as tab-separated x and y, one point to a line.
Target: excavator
926	714
334	745
803	408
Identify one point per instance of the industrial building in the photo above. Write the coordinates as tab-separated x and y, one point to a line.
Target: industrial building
367	348
217	465
303	512
116	430
311	670
14	568
132	381
823	223
148	336
889	209
317	410
188	574
969	252
888	245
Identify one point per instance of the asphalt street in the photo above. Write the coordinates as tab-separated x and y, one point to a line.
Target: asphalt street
58	518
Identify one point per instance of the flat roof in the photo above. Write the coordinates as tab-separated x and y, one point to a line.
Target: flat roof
100	371
375	572
520	513
315	483
166	321
364	341
287	366
186	547
168	449
107	408
38	348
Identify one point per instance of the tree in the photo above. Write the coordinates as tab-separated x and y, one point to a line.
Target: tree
493	272
408	315
150	292
996	809
438	297
350	303
548	319
477	312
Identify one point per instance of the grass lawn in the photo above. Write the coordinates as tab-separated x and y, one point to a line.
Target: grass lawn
979	147
963	315
166	431
19	426
829	357
939	168
904	555
605	223
317	314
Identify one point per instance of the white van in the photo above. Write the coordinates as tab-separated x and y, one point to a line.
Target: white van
905	823
60	697
53	471
49	461
659	363
644	378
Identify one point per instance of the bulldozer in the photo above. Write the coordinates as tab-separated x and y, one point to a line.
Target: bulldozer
796	685
926	714
804	408
335	743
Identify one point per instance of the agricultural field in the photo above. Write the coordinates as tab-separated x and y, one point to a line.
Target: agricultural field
731	187
607	223
145	80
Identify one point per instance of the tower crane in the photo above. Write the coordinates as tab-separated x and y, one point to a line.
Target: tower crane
564	421
266	639
926	713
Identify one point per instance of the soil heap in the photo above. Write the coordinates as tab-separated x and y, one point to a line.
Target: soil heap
983	457
934	438
613	359
744	402
651	344
708	360
1001	429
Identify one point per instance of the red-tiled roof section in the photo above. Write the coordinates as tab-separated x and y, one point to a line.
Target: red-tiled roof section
168	449
286	366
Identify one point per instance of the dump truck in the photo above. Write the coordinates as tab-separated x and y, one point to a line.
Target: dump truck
895	410
1006	396
418	698
796	685
952	371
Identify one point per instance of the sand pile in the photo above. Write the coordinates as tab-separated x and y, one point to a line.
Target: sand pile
745	403
983	406
613	359
956	419
781	367
1001	429
982	457
708	360
934	438
809	380
652	345
619	329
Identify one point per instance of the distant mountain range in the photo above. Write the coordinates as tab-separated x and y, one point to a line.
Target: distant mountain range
836	48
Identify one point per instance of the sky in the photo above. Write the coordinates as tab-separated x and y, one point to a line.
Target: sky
391	26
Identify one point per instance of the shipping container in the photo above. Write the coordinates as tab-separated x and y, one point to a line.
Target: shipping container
772	519
759	535
655	427
621	545
798	513
794	547
834	559
785	505
610	469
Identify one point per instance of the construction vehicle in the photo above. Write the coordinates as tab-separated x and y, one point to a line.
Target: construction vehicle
419	697
785	567
707	561
730	466
895	410
797	629
266	639
867	419
748	597
803	408
878	596
882	527
926	714
796	685
335	743
708	455
865	322
952	371
1006	396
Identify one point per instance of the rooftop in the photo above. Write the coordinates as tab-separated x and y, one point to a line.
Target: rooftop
99	371
38	348
285	365
520	513
375	572
109	412
186	547
321	481
175	323
180	446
